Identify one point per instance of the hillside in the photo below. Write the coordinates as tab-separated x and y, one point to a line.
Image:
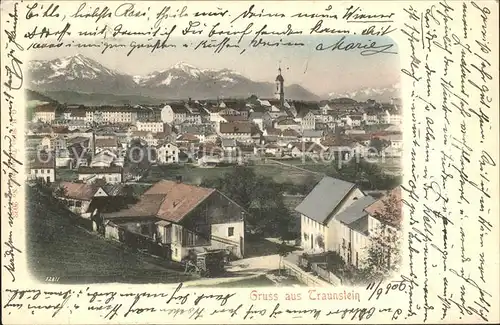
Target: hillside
32	95
57	247
97	99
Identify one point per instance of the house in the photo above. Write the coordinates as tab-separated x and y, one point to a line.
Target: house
183	218
210	154
354	120
395	148
340	147
103	159
365	219
45	113
370	119
229	145
287	136
43	167
167	153
174	113
241	131
271	149
312	136
233	118
116	114
106	143
257	118
306	149
150	126
305	115
77	114
354	227
112	175
187	138
76	125
320	229
82	198
288	123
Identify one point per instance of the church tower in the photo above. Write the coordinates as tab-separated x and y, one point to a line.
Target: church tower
280	89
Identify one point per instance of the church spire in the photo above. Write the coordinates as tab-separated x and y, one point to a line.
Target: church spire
280	89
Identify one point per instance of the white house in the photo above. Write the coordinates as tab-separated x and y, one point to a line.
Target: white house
150	126
44	113
320	231
167	153
241	131
113	174
312	136
395	148
44	169
117	114
174	113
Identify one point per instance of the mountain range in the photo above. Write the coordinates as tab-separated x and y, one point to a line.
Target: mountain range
78	79
62	77
384	94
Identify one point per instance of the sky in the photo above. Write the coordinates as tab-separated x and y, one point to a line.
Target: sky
321	72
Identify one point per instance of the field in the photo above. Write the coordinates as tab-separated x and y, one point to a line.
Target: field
195	175
59	248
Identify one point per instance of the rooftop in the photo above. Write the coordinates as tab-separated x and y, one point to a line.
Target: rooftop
324	199
167	200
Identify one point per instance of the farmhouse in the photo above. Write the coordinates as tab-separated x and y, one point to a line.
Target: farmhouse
182	218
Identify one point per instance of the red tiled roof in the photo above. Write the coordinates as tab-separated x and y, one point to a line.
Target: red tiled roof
45	108
79	191
391	201
272	131
234	118
106	143
100	170
236	127
290	133
167	200
78	112
188	137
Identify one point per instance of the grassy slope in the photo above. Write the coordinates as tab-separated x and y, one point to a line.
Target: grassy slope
57	247
195	175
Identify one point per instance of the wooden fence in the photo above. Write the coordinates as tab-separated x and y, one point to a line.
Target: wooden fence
303	276
322	272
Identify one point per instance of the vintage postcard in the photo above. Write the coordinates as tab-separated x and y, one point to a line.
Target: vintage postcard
249	162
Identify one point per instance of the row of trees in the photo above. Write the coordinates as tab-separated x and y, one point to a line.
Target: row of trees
260	196
368	176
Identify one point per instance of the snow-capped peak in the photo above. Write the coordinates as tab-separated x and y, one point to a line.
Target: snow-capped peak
379	94
187	68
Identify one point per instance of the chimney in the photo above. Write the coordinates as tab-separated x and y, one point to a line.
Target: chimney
178	178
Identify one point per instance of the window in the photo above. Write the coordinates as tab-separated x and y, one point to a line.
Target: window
78	204
230	231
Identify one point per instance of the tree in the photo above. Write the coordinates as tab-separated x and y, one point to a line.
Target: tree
257	194
379	144
60	191
383	255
